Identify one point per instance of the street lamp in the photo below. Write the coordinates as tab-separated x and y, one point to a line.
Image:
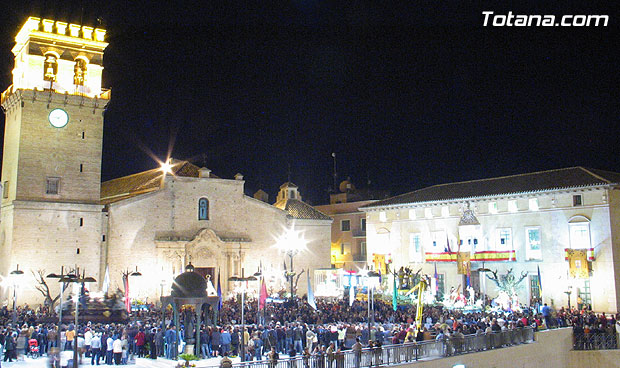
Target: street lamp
371	303
242	289
15	275
259	275
62	278
291	243
126	275
77	280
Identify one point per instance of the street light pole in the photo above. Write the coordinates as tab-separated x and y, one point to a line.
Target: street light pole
290	243
243	280
77	280
15	273
292	273
126	275
62	279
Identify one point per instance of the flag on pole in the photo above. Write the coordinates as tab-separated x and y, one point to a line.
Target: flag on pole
106	280
262	299
394	294
219	291
127	301
436	279
539	282
468	274
311	300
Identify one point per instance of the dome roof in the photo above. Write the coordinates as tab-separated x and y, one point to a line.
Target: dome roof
189	285
346	186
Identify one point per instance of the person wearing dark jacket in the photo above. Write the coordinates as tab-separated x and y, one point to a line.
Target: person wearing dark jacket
9	346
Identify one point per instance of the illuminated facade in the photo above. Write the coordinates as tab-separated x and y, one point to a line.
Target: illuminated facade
55	210
51	166
564	222
349	227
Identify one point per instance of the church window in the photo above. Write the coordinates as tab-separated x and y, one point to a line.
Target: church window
577	200
345	225
52	186
50	67
203	209
81	221
81	167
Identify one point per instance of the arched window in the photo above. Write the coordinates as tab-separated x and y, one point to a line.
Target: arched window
579	232
203	209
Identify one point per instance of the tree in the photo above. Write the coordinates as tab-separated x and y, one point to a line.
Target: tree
507	283
44	289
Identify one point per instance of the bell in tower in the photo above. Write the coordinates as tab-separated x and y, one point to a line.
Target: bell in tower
50	67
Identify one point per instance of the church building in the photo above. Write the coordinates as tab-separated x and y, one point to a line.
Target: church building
56	212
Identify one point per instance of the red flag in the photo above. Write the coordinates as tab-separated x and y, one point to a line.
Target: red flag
262	299
127	302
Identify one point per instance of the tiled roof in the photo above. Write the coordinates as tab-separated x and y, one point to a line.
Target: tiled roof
572	177
299	210
144	182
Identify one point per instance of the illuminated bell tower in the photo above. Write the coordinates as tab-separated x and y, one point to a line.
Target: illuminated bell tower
51	165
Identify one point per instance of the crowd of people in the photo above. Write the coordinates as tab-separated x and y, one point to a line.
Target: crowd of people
292	328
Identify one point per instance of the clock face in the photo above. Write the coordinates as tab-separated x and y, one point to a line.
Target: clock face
58	118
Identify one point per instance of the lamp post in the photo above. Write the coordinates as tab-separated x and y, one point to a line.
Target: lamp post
242	289
62	278
15	275
371	305
291	243
259	275
77	280
126	275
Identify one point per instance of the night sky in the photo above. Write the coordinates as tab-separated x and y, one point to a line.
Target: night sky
407	94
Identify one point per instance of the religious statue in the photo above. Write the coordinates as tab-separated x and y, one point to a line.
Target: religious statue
188	325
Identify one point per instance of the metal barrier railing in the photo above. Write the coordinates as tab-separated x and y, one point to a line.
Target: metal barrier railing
401	353
595	341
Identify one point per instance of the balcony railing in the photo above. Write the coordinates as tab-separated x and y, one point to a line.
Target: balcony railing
595	341
401	353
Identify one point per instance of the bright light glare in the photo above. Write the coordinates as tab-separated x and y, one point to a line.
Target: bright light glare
291	241
166	167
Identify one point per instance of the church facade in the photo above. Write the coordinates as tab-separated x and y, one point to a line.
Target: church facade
559	230
56	212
